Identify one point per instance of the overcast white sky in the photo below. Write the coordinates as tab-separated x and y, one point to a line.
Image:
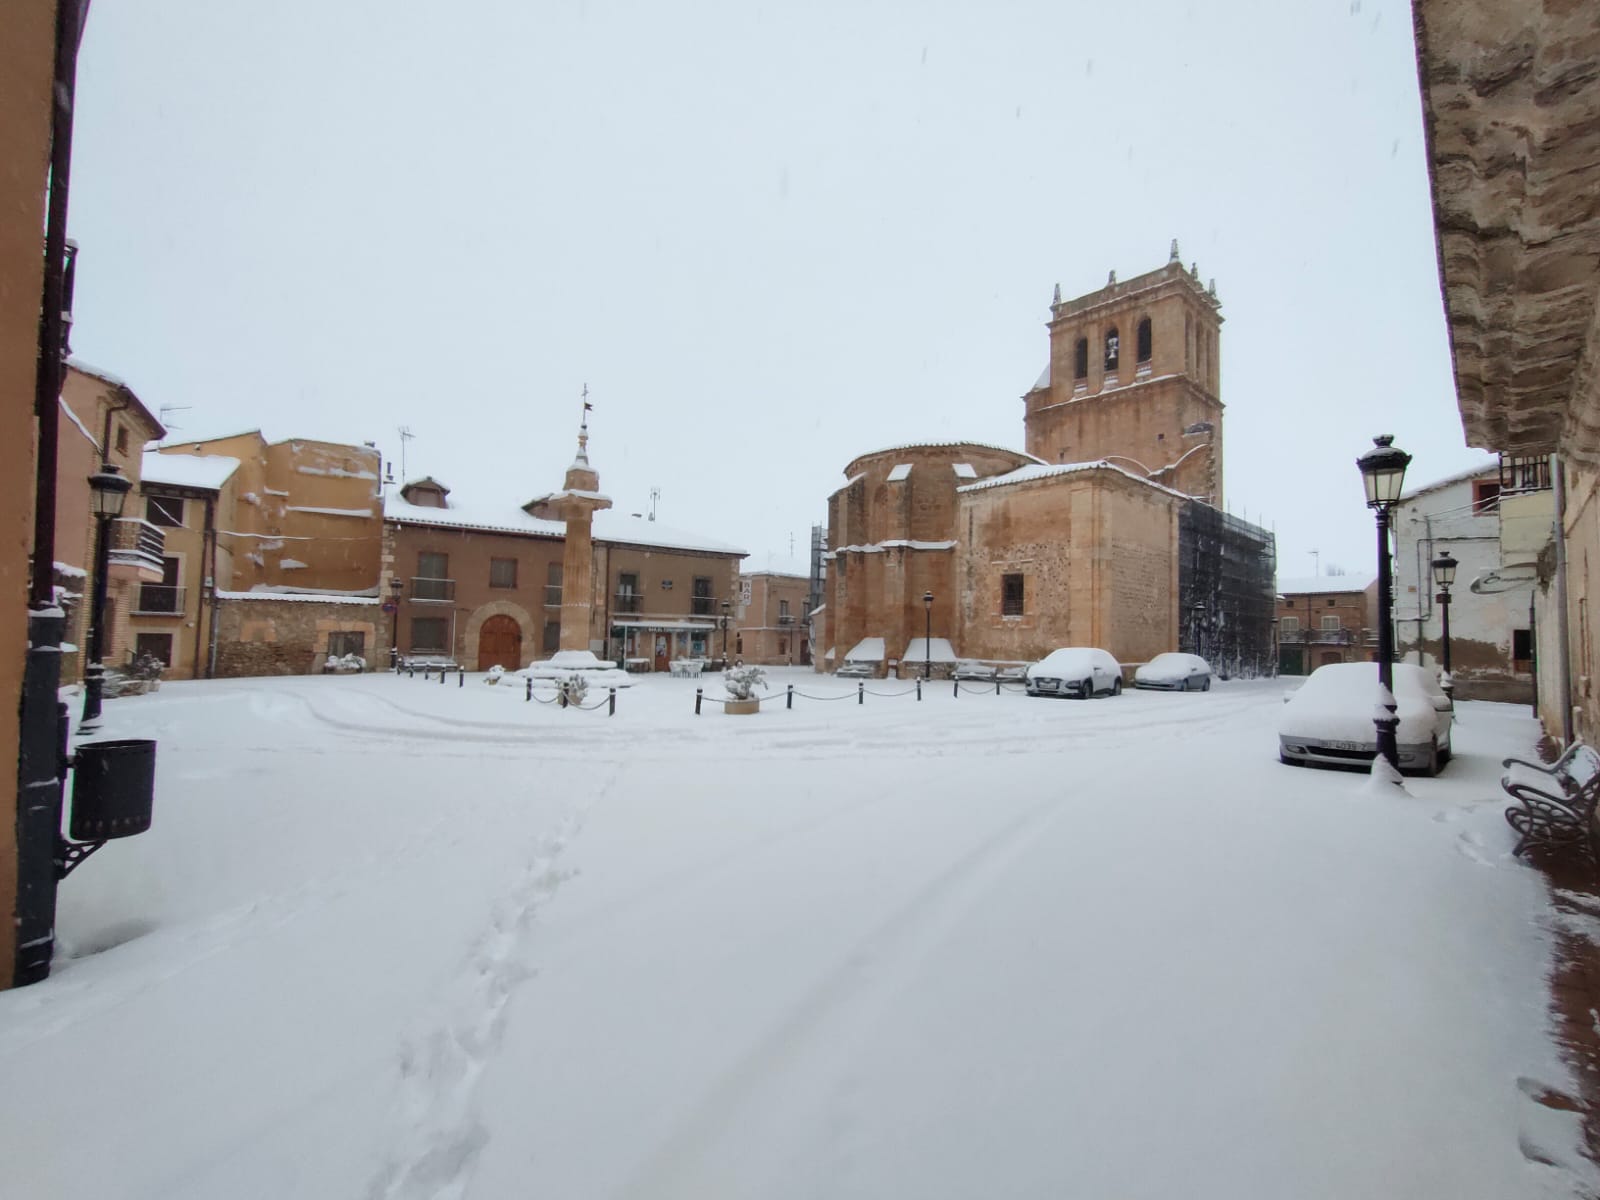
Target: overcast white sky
769	237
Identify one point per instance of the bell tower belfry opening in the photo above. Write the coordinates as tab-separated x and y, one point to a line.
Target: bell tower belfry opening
1135	378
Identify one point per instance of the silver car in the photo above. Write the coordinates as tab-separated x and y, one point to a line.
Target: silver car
1328	722
1174	673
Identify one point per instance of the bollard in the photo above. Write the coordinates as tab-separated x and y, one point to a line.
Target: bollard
461	680
861	691
697	702
957	689
529	695
413	673
441	676
611	702
919	690
997	683
427	672
789	701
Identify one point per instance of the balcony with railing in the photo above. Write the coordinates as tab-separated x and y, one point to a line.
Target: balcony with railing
1317	637
702	606
136	543
159	600
785	618
432	591
626	602
552	595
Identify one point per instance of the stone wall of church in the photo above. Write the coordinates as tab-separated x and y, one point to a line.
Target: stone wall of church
1097	553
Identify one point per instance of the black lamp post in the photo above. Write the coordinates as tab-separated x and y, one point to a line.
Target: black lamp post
396	586
1197	621
725	607
1383	473
108	491
927	635
1444	574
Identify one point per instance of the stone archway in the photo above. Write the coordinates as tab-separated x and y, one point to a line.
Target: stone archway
502	608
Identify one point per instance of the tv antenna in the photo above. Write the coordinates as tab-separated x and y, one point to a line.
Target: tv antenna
161	415
405	436
1316	563
655	494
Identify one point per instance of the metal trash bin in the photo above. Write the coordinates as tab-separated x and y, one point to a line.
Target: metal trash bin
113	788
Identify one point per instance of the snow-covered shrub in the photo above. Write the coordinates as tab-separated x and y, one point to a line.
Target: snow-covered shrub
741	682
573	689
348	664
495	675
146	666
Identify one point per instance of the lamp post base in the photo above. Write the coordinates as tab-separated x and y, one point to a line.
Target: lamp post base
94	682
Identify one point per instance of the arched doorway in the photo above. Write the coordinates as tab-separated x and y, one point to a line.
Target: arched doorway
500	643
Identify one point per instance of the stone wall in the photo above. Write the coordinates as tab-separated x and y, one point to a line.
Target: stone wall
283	635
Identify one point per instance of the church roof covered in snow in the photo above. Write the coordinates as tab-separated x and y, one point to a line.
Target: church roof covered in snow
1050	470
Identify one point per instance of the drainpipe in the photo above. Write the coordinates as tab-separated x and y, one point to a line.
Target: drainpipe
208	554
1558	482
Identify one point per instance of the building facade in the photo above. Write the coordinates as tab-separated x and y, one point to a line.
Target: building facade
1325	619
769	621
1508	106
1492	600
489	586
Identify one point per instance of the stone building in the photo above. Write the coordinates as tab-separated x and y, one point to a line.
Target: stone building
769	619
1325	619
1510	103
1097	535
496	586
1491	610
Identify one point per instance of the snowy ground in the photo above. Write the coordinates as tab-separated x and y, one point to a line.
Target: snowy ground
392	939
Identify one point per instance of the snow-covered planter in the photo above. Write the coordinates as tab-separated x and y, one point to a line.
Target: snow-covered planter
495	675
573	689
741	684
138	678
344	664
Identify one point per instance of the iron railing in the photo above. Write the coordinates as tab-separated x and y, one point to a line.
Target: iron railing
627	602
1317	637
433	591
136	542
701	606
159	599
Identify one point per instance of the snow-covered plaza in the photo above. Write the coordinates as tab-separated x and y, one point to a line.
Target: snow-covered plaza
394	939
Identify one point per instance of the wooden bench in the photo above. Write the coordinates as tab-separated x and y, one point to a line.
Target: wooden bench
1555	801
427	663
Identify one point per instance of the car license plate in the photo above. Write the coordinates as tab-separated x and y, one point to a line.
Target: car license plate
1348	745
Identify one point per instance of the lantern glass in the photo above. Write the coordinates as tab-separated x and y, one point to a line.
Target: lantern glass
1444	570
927	599
108	491
1383	472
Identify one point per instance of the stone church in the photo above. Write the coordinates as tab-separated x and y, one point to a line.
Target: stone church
1105	531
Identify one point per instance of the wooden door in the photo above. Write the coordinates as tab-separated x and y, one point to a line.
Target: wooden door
663	659
500	643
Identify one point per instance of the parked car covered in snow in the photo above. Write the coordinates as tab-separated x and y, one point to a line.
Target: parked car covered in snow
1080	671
1174	672
1328	721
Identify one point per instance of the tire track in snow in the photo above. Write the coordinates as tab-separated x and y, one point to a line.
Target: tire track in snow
683	1166
441	1133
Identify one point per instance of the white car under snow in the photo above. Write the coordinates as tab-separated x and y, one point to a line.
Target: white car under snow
1080	671
1174	672
1329	721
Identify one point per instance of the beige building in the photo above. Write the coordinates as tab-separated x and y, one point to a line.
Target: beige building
270	556
27	40
1510	104
963	550
102	421
1326	619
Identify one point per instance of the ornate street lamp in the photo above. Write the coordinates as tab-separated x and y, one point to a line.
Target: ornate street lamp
1197	624
725	607
108	491
1383	474
927	637
1444	574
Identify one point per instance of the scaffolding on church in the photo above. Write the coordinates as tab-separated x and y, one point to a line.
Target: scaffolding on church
1227	586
